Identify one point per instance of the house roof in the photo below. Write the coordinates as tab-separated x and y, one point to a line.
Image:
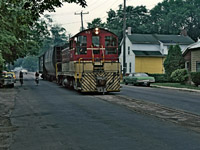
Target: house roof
143	38
156	38
193	46
174	39
147	53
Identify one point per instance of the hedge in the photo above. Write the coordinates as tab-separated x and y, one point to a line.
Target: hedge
195	77
160	78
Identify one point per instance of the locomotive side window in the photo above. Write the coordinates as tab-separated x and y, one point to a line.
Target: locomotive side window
81	45
111	45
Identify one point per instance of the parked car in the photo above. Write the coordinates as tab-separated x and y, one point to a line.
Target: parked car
14	76
138	79
6	79
24	71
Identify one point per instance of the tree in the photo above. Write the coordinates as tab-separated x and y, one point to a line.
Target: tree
30	63
97	22
174	60
1	61
55	37
137	17
170	16
21	30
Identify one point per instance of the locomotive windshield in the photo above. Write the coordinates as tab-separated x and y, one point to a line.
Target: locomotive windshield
95	41
111	45
81	45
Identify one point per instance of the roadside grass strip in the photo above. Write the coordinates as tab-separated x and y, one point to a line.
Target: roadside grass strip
180	117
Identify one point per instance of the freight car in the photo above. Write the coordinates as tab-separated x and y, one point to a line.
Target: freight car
48	62
89	64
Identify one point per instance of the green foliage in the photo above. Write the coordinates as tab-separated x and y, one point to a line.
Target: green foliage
97	22
30	63
55	37
22	32
167	17
1	62
137	17
180	76
170	16
160	78
195	76
174	60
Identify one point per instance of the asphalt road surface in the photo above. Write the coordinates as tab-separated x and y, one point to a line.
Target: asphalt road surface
50	117
184	100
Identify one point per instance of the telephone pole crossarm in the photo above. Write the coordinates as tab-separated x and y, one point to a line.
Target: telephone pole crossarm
81	13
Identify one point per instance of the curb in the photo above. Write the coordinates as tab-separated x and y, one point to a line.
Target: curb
174	88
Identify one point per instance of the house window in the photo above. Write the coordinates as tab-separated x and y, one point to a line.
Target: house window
187	65
130	67
198	66
128	50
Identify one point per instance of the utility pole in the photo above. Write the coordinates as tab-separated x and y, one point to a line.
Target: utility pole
124	39
81	13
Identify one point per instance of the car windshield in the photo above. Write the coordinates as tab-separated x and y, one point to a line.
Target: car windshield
140	75
8	75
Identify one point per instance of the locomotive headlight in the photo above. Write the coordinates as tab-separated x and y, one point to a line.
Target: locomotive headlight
96	30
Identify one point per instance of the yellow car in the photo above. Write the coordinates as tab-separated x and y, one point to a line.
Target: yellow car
6	79
14	76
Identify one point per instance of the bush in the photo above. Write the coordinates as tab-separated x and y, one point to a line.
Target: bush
180	76
195	76
160	78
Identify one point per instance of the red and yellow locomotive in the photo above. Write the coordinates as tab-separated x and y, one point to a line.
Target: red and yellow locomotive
90	63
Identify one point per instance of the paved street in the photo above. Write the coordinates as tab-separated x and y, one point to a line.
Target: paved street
51	117
184	100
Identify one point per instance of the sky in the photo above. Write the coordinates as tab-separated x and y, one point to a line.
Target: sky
65	16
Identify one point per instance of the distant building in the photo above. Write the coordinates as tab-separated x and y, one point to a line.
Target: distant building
192	57
146	52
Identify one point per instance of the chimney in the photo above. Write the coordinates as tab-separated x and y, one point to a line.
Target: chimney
129	30
184	32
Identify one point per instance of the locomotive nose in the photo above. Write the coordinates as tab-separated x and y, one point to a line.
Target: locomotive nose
101	81
101	84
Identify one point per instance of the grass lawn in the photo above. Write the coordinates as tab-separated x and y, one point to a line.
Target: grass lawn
177	85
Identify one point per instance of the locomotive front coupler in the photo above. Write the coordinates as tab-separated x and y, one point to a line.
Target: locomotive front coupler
101	84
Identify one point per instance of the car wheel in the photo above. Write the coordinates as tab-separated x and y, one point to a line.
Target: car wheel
12	85
125	82
148	84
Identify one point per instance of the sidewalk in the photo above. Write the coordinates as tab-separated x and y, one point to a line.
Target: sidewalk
181	89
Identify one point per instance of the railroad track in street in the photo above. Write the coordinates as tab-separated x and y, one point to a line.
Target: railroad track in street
180	117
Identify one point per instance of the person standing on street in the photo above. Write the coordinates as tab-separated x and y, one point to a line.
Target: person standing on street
37	78
21	77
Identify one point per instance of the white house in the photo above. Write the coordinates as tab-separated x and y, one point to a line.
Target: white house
146	52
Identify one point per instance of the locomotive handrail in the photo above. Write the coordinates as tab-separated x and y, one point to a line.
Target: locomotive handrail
79	74
100	58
